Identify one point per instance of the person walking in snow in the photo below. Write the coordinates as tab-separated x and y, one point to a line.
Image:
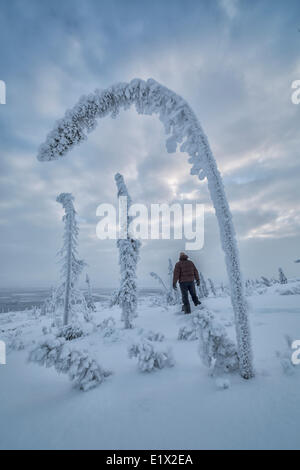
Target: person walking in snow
186	273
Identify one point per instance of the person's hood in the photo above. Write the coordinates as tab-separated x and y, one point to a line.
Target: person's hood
183	257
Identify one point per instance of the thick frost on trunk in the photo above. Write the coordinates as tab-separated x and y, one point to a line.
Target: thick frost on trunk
128	259
184	128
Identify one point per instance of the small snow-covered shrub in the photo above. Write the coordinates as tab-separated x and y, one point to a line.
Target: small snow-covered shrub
70	332
83	370
149	357
222	384
14	341
216	349
107	327
159	301
188	333
46	330
152	335
288	289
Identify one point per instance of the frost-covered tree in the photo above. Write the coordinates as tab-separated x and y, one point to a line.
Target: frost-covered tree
212	287
297	260
203	285
184	128
82	369
89	297
282	276
71	266
129	249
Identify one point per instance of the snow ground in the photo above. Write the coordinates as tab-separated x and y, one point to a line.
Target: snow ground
176	408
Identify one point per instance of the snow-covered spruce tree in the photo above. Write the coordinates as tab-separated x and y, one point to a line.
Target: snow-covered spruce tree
129	249
212	287
203	285
184	128
89	297
282	276
71	266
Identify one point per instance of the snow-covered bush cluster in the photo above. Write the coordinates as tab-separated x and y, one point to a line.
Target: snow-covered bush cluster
14	341
188	333
151	357
107	327
289	289
216	349
70	332
152	335
83	370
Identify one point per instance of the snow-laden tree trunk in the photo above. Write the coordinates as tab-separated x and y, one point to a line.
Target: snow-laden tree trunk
128	258
184	128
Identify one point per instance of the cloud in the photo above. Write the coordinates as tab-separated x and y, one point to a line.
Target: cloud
230	7
234	64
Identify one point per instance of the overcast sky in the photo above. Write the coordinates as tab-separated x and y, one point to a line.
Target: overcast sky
232	60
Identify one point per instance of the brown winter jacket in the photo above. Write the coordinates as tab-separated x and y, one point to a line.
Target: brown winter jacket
185	271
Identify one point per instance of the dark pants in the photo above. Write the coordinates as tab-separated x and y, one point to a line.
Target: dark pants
186	288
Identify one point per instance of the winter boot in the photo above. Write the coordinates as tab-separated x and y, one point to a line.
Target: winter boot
187	309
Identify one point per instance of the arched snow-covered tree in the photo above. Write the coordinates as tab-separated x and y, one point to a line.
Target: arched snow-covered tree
128	258
184	128
71	266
